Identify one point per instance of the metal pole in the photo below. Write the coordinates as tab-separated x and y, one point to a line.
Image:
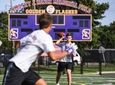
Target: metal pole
13	47
13	42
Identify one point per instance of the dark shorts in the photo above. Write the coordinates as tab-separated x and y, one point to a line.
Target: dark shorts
14	76
64	65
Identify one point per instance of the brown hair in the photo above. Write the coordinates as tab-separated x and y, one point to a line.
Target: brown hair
45	20
68	34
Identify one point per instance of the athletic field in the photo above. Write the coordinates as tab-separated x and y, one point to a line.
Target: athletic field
91	78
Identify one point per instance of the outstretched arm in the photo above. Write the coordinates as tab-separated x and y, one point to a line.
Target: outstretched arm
56	55
58	41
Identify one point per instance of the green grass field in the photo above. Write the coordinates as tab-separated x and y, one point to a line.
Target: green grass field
90	77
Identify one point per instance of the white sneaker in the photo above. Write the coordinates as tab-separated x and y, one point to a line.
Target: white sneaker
57	84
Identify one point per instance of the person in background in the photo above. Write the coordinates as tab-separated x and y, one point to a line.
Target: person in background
18	71
66	62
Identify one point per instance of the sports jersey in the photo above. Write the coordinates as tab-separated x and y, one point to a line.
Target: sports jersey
31	45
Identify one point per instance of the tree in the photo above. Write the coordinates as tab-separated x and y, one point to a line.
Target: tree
4	20
112	34
106	35
6	45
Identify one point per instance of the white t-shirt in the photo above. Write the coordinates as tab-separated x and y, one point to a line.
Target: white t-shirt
68	58
31	46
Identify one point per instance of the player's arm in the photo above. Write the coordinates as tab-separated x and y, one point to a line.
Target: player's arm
56	55
58	41
61	36
53	52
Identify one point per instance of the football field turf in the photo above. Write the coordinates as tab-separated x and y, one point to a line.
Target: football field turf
78	79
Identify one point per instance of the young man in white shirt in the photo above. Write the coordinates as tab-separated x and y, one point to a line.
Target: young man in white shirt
18	71
66	62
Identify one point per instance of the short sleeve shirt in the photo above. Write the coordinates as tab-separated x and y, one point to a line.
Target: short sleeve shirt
68	58
31	46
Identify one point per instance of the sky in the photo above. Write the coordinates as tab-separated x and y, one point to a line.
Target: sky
5	4
109	14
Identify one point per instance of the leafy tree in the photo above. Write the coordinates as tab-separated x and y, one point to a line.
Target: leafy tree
106	35
7	45
4	20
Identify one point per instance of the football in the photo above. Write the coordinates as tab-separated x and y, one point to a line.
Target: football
60	34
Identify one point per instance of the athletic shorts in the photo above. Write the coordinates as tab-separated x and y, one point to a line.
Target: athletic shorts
64	65
14	76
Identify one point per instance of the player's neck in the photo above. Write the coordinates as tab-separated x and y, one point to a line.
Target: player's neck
46	30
